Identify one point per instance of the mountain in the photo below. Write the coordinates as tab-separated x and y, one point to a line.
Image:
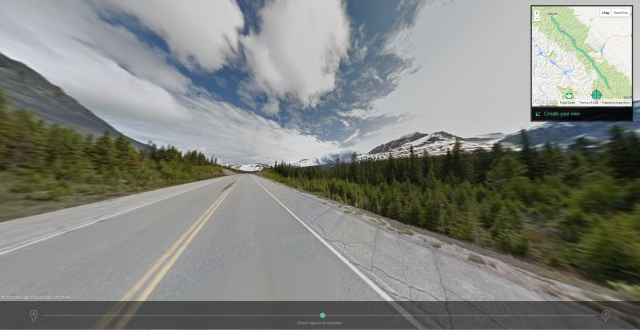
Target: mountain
24	88
435	144
324	160
308	162
563	133
247	167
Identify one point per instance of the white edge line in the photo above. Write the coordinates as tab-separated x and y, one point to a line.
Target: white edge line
367	280
108	216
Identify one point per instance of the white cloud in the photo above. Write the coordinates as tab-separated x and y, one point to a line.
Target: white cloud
345	123
236	136
62	42
353	137
272	107
203	29
71	47
298	49
445	89
356	113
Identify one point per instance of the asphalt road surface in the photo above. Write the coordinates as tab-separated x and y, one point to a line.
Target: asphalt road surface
226	240
235	238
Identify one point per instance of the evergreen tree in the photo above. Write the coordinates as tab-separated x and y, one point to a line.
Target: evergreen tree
105	154
458	164
529	156
619	154
25	145
414	167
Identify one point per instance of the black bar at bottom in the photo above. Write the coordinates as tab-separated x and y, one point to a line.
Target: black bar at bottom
318	315
570	114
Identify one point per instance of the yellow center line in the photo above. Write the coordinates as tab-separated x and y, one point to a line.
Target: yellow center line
167	266
198	224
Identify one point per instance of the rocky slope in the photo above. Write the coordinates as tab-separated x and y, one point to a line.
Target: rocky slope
24	88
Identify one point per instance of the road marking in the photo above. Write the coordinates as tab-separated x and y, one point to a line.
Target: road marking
108	216
122	301
367	280
167	266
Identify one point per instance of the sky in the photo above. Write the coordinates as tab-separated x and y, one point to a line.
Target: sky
262	81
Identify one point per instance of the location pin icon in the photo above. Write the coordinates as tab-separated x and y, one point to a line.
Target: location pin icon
33	315
605	315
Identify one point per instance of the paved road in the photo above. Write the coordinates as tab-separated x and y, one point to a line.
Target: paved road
250	248
235	238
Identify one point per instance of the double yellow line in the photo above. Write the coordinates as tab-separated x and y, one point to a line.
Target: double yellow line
166	262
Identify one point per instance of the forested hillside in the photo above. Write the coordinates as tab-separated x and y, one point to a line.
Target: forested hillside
576	209
44	167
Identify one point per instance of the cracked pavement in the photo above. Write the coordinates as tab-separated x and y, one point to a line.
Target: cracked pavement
404	269
416	273
243	245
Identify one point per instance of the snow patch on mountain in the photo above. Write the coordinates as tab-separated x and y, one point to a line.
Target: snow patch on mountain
247	167
434	144
314	161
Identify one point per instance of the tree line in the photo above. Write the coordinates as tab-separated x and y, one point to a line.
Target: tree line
575	208
39	161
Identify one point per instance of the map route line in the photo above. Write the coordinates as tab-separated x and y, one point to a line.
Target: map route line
573	40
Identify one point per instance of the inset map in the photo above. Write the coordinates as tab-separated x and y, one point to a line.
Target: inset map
581	56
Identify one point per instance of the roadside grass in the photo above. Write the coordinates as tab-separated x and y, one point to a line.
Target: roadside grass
476	258
36	194
536	269
401	229
631	290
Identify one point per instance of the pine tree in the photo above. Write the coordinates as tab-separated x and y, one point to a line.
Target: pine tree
458	163
414	169
446	170
619	155
25	145
507	168
105	154
427	162
529	156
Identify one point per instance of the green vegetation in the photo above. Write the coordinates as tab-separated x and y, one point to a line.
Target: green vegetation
575	209
552	55
569	89
45	167
620	84
476	258
575	31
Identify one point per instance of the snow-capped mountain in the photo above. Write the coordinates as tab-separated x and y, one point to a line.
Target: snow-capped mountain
327	159
435	144
247	167
314	161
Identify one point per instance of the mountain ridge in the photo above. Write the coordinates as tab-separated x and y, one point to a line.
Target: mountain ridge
561	133
25	88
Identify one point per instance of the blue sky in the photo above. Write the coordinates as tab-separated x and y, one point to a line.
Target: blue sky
259	81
